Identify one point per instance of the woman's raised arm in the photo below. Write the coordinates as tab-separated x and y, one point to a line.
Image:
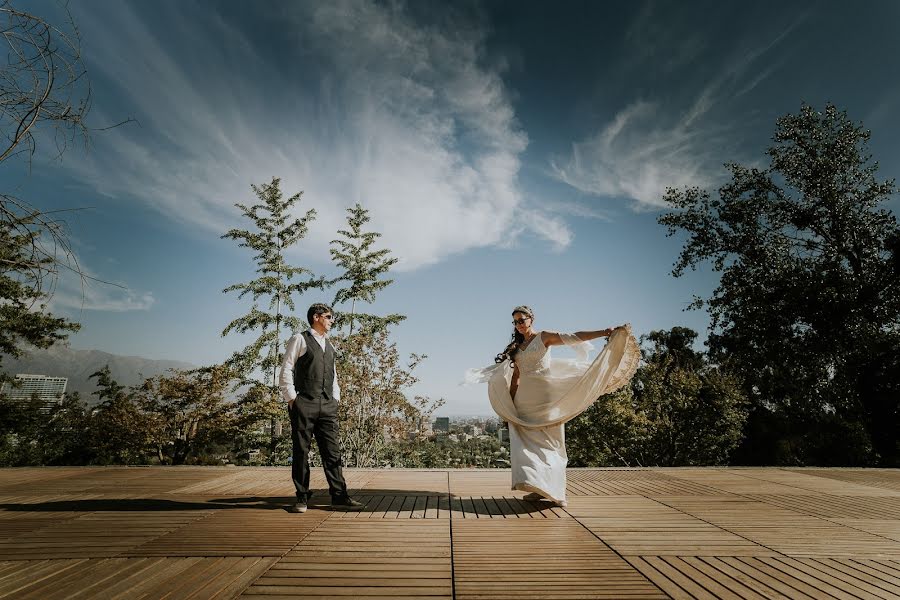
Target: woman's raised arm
551	338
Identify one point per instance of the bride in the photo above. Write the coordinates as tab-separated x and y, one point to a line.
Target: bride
536	395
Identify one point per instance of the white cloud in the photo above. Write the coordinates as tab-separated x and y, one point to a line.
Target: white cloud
371	107
74	293
635	156
651	145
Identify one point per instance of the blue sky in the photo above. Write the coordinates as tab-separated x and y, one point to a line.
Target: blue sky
510	152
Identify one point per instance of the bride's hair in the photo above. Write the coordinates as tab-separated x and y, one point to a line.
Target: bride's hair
517	338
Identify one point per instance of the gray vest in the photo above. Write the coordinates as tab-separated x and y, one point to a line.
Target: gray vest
314	371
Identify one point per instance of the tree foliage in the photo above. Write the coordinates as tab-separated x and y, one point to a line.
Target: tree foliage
43	88
807	310
273	231
188	414
362	269
679	410
119	428
374	406
25	265
181	417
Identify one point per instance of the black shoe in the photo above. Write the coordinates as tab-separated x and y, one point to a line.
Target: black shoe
297	507
346	503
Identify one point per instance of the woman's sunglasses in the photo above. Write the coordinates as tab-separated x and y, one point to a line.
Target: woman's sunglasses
520	321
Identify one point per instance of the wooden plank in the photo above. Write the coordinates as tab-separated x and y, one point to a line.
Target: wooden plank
239	532
691	583
825	585
418	509
432	510
780	582
539	558
215	532
389	557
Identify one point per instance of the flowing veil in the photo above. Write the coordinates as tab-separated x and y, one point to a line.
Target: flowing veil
575	383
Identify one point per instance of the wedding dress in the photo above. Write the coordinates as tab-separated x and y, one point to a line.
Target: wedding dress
552	391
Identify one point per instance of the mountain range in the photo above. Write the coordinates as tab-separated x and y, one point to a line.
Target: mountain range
60	360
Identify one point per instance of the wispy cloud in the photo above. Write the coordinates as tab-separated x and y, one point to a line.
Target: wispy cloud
363	104
653	144
79	289
636	157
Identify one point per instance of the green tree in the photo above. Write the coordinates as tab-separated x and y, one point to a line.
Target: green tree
611	432
118	426
362	269
43	87
21	424
373	380
25	266
374	407
188	414
695	411
679	410
273	231
66	438
807	310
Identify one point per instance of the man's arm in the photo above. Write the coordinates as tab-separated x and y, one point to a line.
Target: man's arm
295	348
335	388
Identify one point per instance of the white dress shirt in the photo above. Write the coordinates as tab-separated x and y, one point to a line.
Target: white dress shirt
295	348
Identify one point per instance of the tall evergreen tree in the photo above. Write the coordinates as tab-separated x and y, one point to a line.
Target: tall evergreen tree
273	231
362	269
374	382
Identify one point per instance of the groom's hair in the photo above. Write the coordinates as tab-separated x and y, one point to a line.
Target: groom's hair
317	309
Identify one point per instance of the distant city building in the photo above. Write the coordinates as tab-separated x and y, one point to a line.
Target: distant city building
49	390
424	427
503	434
442	424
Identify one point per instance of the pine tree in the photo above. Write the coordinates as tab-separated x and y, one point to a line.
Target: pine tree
362	268
273	231
373	379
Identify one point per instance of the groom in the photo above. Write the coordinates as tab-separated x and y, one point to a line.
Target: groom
308	382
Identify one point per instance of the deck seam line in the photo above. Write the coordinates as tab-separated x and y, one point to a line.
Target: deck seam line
452	561
816	578
796	510
616	552
719	526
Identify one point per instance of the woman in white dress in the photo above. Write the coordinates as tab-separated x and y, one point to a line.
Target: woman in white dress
536	395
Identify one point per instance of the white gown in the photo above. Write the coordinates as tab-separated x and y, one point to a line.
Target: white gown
551	392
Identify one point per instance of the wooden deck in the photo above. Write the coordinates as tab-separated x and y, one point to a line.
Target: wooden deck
208	532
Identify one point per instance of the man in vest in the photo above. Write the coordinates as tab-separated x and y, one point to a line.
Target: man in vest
308	382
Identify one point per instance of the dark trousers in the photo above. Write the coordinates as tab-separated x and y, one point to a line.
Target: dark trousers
316	418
